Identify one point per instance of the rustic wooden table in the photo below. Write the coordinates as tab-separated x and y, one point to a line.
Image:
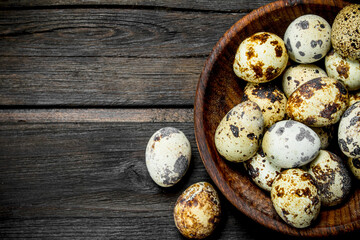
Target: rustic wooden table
83	86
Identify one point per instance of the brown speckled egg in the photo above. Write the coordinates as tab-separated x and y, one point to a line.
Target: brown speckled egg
345	34
319	102
197	211
354	166
260	58
270	98
307	38
349	131
262	171
295	198
354	97
168	155
332	178
297	75
325	134
238	135
343	69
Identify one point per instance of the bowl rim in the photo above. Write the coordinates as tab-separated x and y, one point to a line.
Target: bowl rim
203	147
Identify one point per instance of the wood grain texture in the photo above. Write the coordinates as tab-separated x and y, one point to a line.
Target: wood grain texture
105	57
68	179
216	5
111	32
53	115
99	81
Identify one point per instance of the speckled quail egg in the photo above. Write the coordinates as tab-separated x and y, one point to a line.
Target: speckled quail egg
354	97
354	166
344	69
296	75
197	211
260	58
168	155
325	134
295	198
289	144
331	177
270	98
349	131
261	171
239	132
307	38
345	34
318	103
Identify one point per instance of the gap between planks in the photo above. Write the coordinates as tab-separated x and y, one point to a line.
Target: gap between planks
96	115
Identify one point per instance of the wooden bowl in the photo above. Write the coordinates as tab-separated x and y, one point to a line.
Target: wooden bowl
219	89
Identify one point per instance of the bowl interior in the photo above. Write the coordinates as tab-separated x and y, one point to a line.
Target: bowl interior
219	89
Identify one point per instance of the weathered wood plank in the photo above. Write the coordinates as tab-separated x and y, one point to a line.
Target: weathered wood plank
111	32
167	115
158	226
216	5
99	81
90	179
73	167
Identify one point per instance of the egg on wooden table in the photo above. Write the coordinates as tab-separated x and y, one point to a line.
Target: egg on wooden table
332	178
270	98
168	155
289	144
319	102
260	58
307	38
349	131
197	211
344	69
296	75
238	135
261	170
295	197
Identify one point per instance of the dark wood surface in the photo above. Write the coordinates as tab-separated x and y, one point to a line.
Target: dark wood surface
83	86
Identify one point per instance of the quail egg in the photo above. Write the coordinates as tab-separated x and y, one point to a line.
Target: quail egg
349	131
295	198
197	211
325	134
307	38
318	103
354	166
262	171
270	98
345	34
289	144
239	132
297	75
332	178
168	155
260	58
354	97
344	69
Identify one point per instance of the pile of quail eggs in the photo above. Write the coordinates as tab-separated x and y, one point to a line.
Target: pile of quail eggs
282	132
